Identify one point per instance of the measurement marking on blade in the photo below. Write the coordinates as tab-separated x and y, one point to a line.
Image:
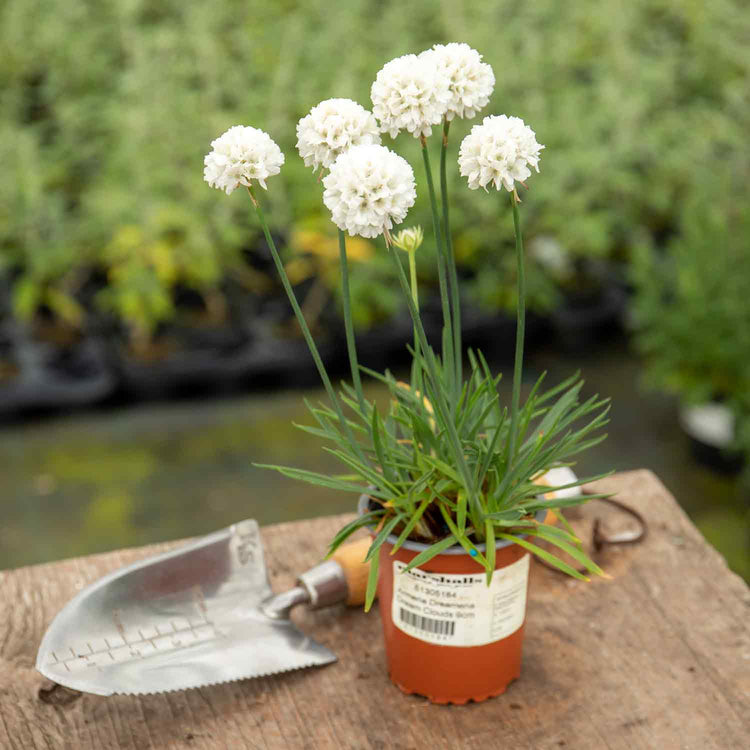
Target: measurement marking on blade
247	549
200	601
118	624
129	651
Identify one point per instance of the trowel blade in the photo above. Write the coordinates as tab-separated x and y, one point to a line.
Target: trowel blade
184	619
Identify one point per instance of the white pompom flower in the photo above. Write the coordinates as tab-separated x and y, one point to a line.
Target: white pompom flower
332	127
499	151
409	94
368	190
470	81
239	156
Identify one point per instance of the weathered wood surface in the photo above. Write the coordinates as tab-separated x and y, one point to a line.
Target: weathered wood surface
657	658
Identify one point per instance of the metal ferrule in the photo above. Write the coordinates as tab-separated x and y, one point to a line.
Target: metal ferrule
325	583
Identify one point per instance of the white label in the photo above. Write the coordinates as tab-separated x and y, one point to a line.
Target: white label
460	610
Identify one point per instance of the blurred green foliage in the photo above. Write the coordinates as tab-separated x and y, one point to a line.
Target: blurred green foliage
691	312
106	111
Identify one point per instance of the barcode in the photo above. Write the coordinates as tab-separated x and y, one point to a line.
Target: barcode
439	627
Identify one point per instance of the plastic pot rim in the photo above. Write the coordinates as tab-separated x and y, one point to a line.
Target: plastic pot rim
456	549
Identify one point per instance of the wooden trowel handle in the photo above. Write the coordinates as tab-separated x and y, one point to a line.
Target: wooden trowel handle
351	558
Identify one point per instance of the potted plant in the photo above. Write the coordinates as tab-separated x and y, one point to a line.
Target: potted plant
691	320
591	300
175	327
50	354
446	474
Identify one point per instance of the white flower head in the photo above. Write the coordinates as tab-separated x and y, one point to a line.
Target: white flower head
470	81
241	155
499	151
409	94
331	128
368	189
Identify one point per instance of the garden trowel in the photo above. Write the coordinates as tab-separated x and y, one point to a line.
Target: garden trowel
195	616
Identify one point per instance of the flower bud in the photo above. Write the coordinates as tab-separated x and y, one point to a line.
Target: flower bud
409	239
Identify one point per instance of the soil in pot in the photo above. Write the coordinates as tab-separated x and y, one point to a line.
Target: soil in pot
448	636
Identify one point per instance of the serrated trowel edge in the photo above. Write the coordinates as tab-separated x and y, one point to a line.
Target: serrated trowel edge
249	646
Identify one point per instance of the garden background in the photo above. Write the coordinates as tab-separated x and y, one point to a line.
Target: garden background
123	277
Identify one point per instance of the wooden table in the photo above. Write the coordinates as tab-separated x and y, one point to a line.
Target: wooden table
659	657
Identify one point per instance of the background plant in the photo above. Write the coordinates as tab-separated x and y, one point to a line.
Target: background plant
692	309
635	104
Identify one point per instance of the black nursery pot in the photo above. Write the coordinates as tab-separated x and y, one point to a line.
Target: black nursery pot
45	375
187	361
585	320
710	431
494	333
385	345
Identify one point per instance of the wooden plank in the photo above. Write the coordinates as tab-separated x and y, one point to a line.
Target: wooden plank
658	657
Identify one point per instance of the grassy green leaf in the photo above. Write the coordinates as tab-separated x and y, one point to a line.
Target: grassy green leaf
432	551
463	540
490	551
546	556
382	535
411	523
577	554
378	444
366	519
372	577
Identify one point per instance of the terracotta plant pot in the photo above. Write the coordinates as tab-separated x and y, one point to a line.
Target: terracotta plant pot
448	636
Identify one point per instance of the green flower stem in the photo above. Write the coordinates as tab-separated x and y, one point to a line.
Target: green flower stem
440	399
416	375
447	353
413	278
520	330
453	276
305	330
348	326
